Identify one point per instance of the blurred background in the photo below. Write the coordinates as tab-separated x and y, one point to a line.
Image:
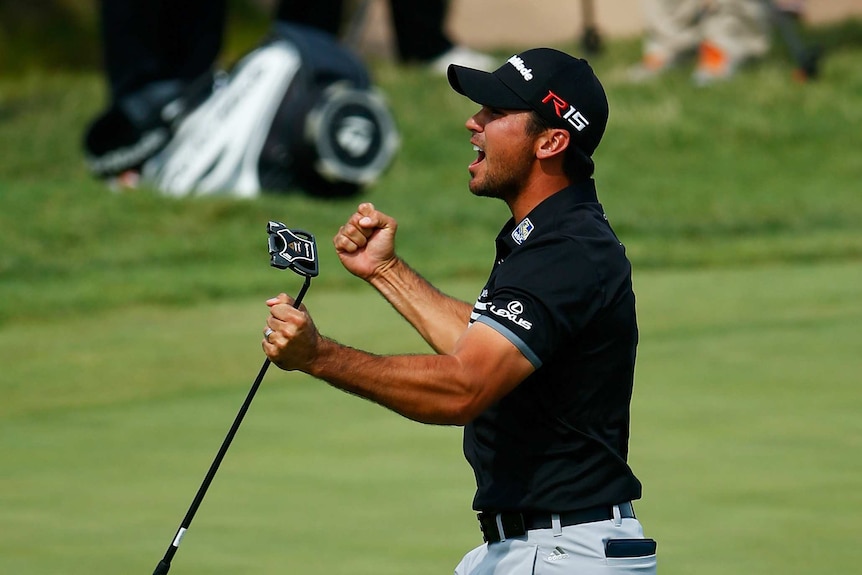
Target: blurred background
63	33
130	322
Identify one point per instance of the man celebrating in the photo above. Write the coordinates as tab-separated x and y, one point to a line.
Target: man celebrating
540	369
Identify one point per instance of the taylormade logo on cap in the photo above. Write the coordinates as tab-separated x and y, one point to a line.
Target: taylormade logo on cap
518	63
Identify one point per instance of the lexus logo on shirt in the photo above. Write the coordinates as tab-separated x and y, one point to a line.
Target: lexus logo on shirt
512	312
515	307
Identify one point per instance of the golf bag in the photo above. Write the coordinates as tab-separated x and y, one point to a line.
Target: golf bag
299	111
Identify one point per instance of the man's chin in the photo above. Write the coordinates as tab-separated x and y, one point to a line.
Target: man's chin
478	190
480	193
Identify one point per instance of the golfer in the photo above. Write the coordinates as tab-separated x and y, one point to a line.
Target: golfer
539	370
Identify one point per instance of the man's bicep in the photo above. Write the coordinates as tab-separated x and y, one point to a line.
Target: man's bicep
494	364
513	338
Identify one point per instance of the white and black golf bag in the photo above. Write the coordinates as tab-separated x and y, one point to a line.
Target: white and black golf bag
299	111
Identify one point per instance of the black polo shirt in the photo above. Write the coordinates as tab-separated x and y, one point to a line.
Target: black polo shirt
560	290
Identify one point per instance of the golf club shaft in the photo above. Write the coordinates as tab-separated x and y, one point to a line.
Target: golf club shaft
165	564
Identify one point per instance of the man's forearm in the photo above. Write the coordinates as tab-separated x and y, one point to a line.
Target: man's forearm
439	319
425	388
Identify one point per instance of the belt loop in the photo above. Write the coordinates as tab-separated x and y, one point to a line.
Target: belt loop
618	518
556	525
499	518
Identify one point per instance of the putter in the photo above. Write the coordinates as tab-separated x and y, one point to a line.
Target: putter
288	249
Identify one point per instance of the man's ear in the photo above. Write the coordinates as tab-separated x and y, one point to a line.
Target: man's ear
552	142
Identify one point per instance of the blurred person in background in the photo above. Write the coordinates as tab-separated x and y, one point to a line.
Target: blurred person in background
153	50
420	30
724	35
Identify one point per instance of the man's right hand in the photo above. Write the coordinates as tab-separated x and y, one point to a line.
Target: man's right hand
366	243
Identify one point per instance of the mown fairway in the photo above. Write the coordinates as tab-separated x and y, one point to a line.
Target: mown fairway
130	328
746	422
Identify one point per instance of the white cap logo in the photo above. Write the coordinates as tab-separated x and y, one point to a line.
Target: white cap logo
519	65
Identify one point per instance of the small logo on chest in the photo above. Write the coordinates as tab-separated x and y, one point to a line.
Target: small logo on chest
523	231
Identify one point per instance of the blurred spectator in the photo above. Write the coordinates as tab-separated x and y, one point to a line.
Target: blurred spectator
154	49
723	33
792	8
419	28
147	41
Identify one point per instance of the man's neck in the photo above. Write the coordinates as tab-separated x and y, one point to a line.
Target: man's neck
534	193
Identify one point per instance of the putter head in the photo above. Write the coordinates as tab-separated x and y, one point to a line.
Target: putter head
292	249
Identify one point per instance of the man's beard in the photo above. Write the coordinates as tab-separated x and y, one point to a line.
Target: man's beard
504	183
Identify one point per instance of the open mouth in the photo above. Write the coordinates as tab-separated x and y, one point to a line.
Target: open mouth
480	157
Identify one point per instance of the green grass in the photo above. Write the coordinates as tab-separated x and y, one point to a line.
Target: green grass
130	327
747	415
758	170
745	422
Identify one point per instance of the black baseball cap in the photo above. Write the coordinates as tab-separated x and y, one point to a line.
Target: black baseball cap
562	89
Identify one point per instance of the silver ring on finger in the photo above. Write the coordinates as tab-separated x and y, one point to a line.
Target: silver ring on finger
267	333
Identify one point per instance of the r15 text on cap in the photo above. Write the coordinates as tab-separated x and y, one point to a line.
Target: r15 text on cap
571	115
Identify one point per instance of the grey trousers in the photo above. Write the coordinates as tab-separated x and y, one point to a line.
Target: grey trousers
576	549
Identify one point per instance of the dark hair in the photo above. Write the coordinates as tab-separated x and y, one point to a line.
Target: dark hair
576	164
